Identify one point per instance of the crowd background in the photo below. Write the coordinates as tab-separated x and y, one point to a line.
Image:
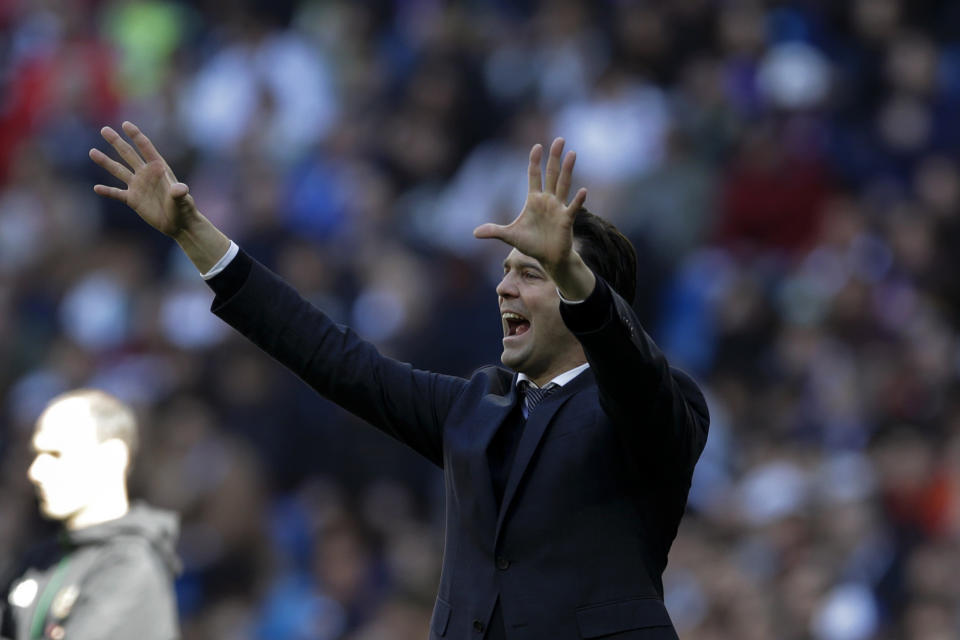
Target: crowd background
787	170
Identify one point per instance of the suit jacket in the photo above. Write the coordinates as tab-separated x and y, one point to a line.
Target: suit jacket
598	484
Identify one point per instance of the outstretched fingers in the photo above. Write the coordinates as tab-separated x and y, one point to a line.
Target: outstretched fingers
553	165
113	167
566	176
122	147
490	230
577	202
111	192
533	169
144	146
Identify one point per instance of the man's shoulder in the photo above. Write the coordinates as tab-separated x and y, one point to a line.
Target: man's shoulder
123	567
145	538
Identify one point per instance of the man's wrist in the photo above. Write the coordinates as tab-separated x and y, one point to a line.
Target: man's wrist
223	262
203	243
192	226
575	281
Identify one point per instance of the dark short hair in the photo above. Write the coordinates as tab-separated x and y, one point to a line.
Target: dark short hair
607	252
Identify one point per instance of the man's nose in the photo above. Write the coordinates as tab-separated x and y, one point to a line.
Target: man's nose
507	287
33	471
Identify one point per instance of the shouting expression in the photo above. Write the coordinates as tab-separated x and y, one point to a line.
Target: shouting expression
536	342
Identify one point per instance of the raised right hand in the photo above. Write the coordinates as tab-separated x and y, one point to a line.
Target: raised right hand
152	189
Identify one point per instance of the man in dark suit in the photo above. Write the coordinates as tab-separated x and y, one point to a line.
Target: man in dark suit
566	478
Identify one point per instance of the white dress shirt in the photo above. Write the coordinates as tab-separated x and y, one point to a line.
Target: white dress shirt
559	380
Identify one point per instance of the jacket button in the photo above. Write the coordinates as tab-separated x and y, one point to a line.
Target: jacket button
478	626
502	563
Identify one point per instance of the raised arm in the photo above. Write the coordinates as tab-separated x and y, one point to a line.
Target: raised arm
154	192
407	404
658	410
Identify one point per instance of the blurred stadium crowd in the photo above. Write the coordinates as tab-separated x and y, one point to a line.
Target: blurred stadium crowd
787	170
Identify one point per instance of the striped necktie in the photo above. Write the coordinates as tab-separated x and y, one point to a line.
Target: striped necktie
532	395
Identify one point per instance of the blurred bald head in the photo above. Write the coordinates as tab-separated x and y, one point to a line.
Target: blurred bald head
83	443
110	417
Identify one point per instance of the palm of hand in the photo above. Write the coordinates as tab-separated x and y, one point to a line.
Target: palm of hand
544	228
149	195
152	189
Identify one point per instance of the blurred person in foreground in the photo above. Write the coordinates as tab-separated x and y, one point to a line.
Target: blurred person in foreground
566	478
109	574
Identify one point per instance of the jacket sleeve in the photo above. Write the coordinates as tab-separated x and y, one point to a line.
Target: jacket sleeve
127	594
659	411
407	404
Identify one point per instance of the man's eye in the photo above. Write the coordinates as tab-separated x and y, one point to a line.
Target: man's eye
531	275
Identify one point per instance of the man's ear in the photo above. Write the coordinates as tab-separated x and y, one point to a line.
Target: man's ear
115	453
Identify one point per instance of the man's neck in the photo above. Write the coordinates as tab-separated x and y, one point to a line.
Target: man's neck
98	513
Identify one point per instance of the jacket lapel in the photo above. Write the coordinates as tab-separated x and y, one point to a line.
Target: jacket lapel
490	416
533	431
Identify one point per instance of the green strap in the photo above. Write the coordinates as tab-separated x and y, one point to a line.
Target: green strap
46	598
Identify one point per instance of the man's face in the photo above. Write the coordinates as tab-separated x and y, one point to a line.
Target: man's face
66	472
535	339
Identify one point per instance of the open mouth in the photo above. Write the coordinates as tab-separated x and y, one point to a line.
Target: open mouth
516	324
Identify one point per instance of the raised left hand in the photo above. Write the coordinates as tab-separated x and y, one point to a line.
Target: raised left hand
544	228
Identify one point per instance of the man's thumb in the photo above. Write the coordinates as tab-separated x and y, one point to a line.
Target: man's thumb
489	230
179	190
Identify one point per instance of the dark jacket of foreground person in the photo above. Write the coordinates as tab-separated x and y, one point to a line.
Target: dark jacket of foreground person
596	485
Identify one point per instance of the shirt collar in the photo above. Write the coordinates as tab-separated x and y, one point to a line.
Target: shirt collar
561	379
